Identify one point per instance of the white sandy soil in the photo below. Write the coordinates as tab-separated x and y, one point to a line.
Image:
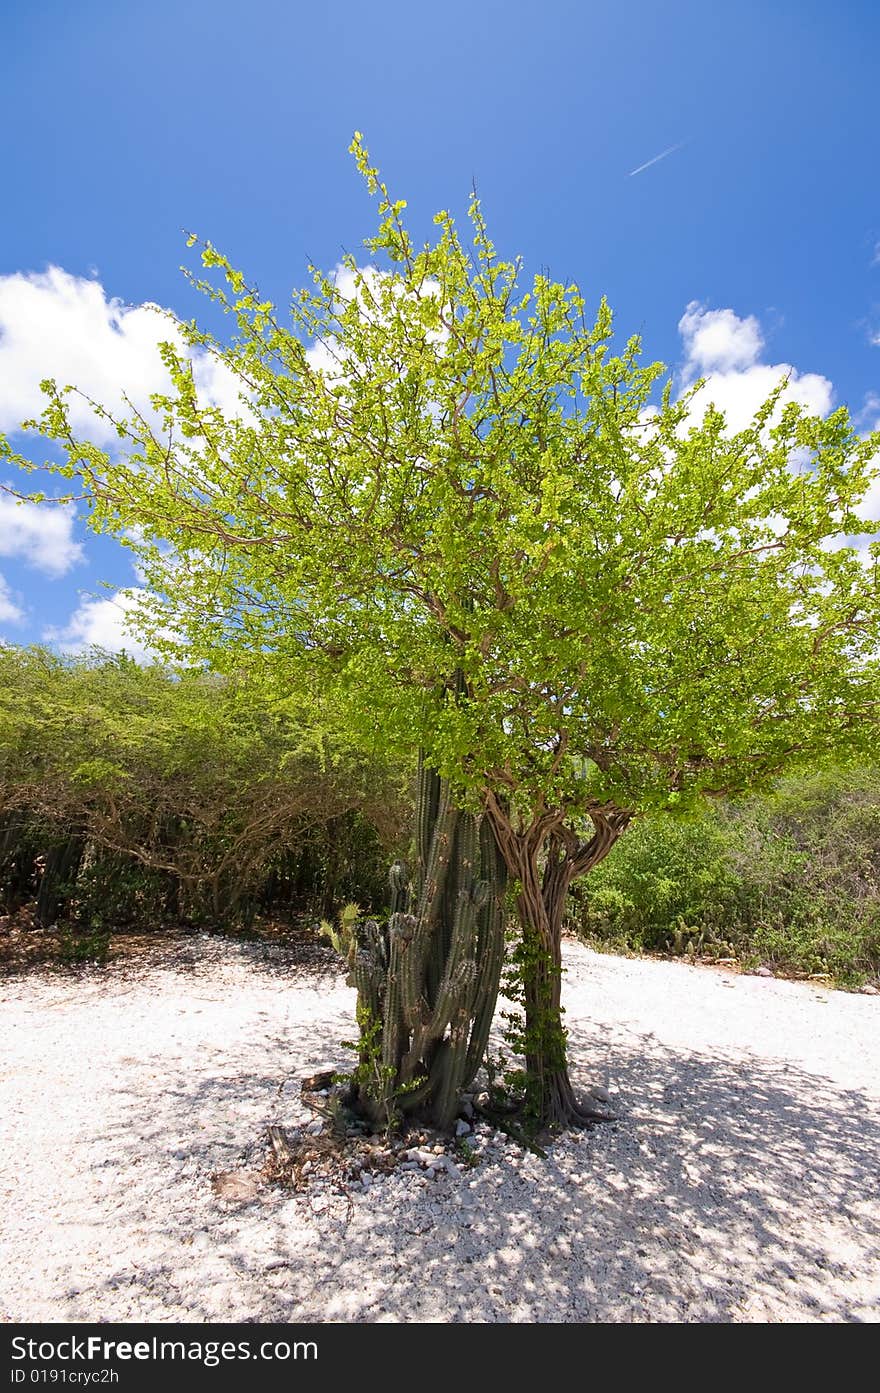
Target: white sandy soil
741	1183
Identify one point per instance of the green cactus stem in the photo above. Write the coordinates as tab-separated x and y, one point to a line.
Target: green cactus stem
429	976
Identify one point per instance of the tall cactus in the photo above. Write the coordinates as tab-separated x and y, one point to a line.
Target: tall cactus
427	982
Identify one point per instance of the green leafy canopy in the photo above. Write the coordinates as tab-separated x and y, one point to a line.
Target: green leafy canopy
437	472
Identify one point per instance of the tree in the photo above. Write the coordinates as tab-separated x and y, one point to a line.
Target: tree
439	483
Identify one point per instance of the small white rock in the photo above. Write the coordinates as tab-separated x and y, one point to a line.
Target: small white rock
462	1128
601	1094
445	1163
419	1154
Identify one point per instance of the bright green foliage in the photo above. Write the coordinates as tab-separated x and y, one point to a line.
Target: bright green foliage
341	936
641	608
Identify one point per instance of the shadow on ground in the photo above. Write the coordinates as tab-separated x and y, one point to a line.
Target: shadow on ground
730	1189
131	954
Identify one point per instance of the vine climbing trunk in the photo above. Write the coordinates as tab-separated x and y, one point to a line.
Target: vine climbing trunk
544	858
427	980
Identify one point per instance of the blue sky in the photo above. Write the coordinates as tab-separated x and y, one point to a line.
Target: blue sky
126	124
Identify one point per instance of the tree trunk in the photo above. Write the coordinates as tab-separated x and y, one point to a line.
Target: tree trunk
550	1097
544	858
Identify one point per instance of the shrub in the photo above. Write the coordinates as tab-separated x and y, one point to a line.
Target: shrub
791	879
135	796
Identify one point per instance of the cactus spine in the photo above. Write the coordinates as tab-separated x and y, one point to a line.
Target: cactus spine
430	977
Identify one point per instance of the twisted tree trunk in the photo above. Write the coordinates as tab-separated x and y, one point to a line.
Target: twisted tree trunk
544	858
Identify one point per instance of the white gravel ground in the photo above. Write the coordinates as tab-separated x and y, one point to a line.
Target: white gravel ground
740	1184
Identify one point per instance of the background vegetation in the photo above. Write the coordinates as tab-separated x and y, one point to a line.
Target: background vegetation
791	880
136	798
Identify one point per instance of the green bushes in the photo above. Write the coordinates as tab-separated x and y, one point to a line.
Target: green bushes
791	880
137	796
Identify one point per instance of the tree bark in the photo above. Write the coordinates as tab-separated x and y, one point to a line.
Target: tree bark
544	858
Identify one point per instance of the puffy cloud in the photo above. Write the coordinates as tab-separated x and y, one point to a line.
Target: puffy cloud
10	611
40	534
54	324
718	340
100	623
869	415
869	511
725	349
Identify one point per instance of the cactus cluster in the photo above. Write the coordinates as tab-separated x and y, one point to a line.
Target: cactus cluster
430	975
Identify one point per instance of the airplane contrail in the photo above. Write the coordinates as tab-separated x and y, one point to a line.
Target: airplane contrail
662	156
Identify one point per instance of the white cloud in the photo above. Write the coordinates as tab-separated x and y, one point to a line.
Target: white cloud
53	324
101	624
869	509
10	611
725	349
68	328
869	415
40	534
718	340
